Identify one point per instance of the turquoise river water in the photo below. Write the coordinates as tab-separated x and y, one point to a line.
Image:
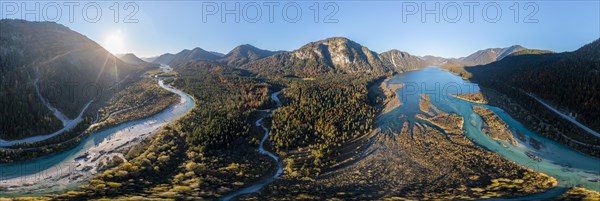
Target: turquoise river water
569	167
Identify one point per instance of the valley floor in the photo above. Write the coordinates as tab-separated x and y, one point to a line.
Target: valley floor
428	159
421	162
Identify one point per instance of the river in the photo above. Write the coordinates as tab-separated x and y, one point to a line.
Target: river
256	187
568	166
68	169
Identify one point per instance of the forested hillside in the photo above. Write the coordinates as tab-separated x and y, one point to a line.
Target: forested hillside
191	55
164	59
70	70
186	55
130	58
569	81
243	54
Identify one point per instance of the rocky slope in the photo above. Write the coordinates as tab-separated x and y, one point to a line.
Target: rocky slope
331	55
402	61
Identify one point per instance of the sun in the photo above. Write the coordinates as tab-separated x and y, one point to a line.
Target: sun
114	43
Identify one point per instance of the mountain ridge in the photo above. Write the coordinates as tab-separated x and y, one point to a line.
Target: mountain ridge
186	55
132	59
193	54
403	61
489	55
244	54
331	55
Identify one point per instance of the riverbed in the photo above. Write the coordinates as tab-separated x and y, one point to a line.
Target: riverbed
568	166
68	169
261	149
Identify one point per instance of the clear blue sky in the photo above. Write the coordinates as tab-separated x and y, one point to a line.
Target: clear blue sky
166	26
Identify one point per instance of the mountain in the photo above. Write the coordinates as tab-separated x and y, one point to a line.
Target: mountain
191	67
149	59
164	59
402	61
570	81
132	59
68	68
187	55
243	54
434	60
482	57
489	55
331	55
217	53
190	55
